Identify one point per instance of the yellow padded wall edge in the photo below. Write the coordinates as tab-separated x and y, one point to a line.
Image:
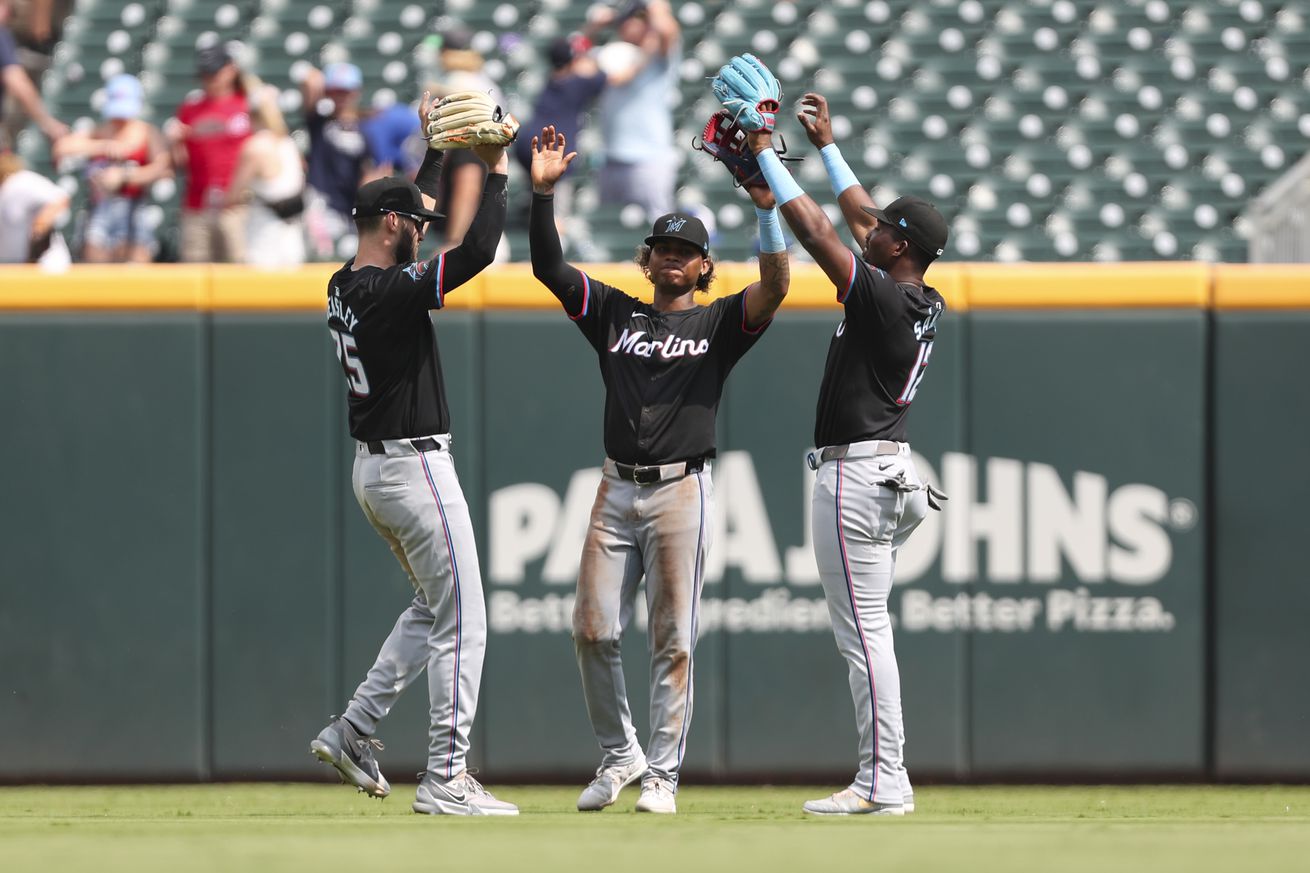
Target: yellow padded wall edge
1079	286
1261	286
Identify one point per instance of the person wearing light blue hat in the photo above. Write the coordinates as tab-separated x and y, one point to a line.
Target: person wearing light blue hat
124	156
124	98
338	153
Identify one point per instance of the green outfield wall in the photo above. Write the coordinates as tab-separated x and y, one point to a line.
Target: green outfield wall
1115	590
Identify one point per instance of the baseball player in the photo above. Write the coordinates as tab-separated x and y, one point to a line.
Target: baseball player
868	496
664	365
404	476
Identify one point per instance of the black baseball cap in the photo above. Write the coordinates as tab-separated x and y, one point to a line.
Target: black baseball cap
392	194
560	52
456	38
683	227
917	220
625	9
212	58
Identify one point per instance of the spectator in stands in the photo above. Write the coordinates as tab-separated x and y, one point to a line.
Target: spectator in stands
462	68
30	205
14	80
207	134
338	153
575	81
39	24
394	145
635	114
270	178
125	155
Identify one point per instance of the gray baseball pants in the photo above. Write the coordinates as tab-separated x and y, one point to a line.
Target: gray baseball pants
662	532
863	510
414	501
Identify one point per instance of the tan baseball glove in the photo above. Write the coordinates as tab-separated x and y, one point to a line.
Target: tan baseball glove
466	119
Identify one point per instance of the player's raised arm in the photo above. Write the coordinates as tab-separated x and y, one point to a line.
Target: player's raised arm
550	158
750	93
470	119
765	296
727	142
851	195
805	217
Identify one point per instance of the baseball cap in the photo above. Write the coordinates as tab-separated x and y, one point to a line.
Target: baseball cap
456	38
683	227
392	194
625	9
917	220
124	98
212	58
342	76
560	52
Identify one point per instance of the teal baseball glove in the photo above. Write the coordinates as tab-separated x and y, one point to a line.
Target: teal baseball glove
749	92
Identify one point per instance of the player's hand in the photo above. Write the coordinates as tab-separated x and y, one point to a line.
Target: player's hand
549	159
425	104
813	116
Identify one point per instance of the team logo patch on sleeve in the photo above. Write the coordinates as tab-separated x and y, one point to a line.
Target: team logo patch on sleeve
416	270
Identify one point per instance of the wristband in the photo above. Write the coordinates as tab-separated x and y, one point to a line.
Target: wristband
839	172
428	178
784	187
771	241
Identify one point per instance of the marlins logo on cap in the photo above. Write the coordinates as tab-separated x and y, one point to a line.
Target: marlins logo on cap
683	227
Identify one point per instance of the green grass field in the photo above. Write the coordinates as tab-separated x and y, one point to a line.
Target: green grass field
327	828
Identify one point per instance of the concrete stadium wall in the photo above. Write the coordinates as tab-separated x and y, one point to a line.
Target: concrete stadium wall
188	590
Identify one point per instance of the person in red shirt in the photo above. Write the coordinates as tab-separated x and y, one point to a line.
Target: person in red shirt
207	133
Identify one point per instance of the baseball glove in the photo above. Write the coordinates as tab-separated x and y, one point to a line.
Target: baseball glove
749	92
725	141
466	119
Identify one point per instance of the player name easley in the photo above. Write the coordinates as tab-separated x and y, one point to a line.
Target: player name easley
631	343
341	311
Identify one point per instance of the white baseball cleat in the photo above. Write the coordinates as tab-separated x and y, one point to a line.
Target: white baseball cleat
461	795
657	796
847	802
609	781
908	803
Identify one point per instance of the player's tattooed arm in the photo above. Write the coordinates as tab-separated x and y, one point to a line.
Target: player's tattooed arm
851	195
765	296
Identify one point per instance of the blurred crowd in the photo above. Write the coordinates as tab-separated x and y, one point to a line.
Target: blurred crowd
254	192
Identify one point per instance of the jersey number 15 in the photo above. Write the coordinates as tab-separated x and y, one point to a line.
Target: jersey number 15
926	332
348	354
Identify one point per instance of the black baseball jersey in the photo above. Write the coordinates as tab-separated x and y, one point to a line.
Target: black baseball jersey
663	371
877	358
378	320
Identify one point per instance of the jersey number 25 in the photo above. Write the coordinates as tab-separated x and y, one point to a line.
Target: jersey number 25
348	354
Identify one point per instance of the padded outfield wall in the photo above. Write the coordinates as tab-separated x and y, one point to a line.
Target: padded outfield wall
1114	590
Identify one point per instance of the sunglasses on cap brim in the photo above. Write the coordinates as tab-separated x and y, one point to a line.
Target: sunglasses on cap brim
421	220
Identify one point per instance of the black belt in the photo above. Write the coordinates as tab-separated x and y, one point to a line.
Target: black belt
427	444
649	475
